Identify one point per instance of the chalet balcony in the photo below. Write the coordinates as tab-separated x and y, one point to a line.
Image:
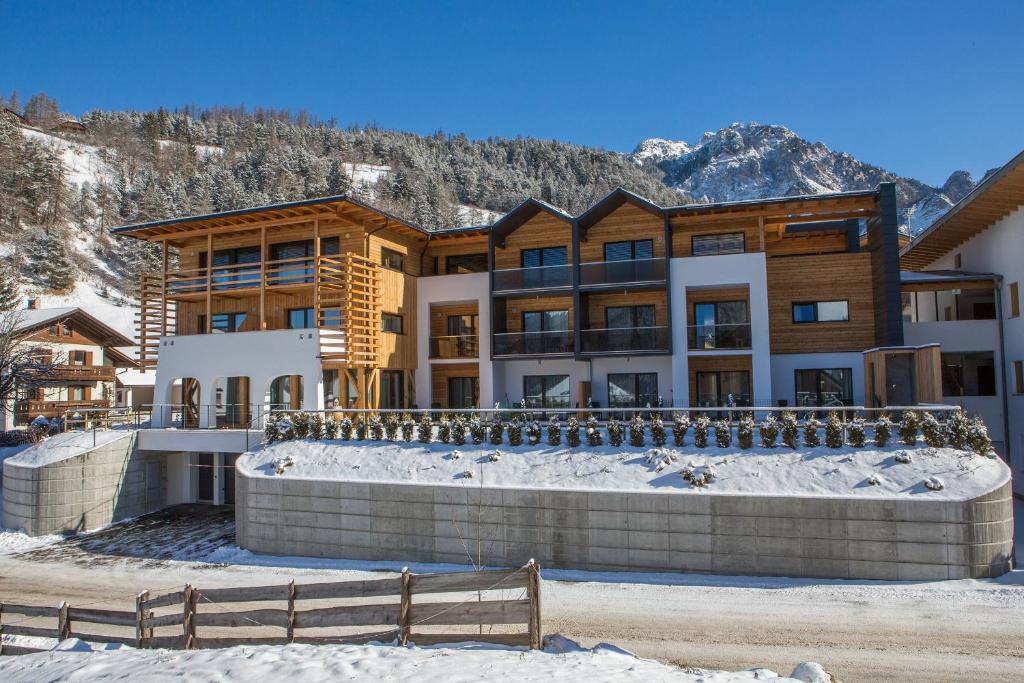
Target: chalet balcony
713	337
81	373
625	340
532	279
29	409
634	272
558	342
455	346
242	276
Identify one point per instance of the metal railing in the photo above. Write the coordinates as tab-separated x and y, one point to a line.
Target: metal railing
623	339
726	336
540	277
532	343
622	272
455	346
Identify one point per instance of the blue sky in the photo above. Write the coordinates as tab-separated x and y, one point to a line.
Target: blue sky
921	88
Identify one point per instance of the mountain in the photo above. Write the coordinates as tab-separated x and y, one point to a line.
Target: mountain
754	161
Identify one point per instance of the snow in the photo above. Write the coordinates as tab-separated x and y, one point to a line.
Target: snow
63	446
117	312
821	471
202	151
82	163
562	660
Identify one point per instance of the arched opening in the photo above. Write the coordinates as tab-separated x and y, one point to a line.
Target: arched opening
285	393
181	405
231	407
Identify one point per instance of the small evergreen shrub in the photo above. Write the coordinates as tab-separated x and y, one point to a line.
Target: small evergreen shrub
425	429
769	430
496	432
790	431
376	427
932	432
360	429
477	430
444	430
391	426
533	432
908	427
636	431
811	426
978	439
745	431
554	431
316	426
658	434
855	432
883	430
614	432
300	425
515	432
680	425
572	432
345	429
833	430
459	430
701	428
723	433
408	427
331	428
593	431
957	426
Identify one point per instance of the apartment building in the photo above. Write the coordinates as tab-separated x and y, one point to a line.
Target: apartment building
334	303
961	288
88	361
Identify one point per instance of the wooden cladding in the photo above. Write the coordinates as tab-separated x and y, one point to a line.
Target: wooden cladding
683	233
515	307
822	277
543	230
627	222
596	305
440	373
439	314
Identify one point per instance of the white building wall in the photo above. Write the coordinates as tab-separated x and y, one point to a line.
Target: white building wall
510	375
785	365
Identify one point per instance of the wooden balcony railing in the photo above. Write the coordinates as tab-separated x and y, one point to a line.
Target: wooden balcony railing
82	373
30	409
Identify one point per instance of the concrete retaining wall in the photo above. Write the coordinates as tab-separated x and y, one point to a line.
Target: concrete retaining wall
86	491
730	534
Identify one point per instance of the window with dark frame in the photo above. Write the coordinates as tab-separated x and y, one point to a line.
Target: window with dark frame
391	322
632	390
723	388
629	250
546	391
466	263
718	245
222	322
969	374
543	256
391	259
300	318
821	312
824	387
76	357
1018	376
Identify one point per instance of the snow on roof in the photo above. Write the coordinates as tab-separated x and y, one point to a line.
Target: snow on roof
29	318
130	377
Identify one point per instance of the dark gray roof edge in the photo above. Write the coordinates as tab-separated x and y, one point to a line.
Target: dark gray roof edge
773	200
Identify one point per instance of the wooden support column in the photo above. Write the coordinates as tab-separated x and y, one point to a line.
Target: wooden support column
163	291
263	278
209	283
316	272
760	231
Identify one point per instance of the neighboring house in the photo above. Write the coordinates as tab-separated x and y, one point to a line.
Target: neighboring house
962	285
88	362
333	303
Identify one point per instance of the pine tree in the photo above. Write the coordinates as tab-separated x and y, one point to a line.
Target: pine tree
9	293
49	260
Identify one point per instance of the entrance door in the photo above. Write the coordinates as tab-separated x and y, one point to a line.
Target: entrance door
392	389
204	477
228	478
899	380
463	392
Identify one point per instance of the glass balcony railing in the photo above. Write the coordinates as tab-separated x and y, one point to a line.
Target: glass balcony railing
619	339
708	337
622	272
455	346
542	277
532	343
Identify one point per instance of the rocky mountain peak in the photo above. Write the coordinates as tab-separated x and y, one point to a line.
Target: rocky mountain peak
958	185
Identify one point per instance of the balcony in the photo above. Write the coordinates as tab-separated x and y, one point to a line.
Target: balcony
637	271
625	340
713	337
28	410
241	276
533	343
455	346
532	279
81	373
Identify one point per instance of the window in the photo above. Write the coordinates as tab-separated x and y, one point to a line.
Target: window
821	312
222	322
392	389
53	330
463	392
629	251
629	316
230	257
392	259
824	387
76	357
462	325
1014	301
1018	376
546	391
537	323
546	256
726	388
466	263
390	322
968	374
300	318
330	317
949	305
632	390
958	262
76	393
716	245
65	329
545	321
720	325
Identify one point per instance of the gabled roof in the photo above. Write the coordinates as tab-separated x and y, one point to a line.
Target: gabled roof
34	319
523	212
990	201
610	202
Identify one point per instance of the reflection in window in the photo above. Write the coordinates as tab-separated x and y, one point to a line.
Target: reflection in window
546	391
968	374
824	387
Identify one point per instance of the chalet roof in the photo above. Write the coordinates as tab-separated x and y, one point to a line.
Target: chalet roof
612	201
524	211
990	201
34	319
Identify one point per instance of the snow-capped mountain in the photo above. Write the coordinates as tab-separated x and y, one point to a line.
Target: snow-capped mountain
754	161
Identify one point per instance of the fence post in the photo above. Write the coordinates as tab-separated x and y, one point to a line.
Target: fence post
187	617
63	623
291	610
1	628
405	610
533	591
140	614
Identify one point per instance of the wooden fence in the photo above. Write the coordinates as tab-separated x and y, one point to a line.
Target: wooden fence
270	615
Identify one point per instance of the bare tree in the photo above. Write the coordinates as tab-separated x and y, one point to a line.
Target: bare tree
24	364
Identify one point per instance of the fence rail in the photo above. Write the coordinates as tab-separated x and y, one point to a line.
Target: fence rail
200	615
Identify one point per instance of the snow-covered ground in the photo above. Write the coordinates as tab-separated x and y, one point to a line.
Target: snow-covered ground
562	661
62	446
116	310
82	163
780	471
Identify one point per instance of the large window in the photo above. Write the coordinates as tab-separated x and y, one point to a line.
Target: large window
329	246
391	322
300	318
632	390
392	389
968	374
546	391
629	250
726	388
715	245
463	392
821	312
76	393
389	258
824	387
546	256
629	316
949	305
222	322
466	263
720	325
462	325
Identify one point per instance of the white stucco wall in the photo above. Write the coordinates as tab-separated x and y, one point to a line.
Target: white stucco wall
785	365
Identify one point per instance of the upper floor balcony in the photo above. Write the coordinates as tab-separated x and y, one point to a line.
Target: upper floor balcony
81	373
455	346
722	336
537	278
625	340
647	271
241	276
549	343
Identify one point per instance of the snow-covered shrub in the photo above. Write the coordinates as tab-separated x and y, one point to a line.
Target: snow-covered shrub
934	484
554	431
745	431
281	464
444	429
300	425
698	476
496	431
680	425
593	430
468	474
790	431
391	425
477	430
833	430
636	431
572	431
316	426
376	428
855	432
270	433
515	432
723	433
769	430
811	426
658	434
957	425
701	429
408	427
360	429
978	439
903	457
883	430
660	459
614	432
875	480
932	431
330	428
908	427
494	457
533	432
425	429
345	429
458	426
